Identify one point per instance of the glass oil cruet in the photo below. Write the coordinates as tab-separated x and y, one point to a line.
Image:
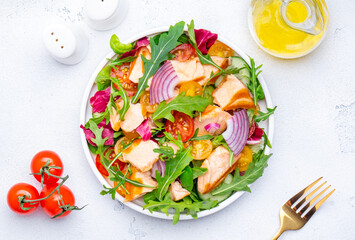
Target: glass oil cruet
288	28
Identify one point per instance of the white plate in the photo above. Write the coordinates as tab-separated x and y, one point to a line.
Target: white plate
86	113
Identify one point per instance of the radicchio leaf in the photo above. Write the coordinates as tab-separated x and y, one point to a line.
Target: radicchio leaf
204	40
107	132
140	43
100	100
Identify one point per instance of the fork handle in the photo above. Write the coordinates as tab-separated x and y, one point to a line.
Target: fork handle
278	234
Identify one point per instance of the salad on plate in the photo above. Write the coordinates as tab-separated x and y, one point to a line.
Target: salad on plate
176	120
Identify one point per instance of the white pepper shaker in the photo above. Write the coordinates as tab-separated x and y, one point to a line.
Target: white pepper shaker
104	14
66	43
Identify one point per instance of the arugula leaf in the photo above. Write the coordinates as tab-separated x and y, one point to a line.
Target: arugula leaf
204	137
160	53
103	78
114	174
119	47
185	204
174	168
182	103
254	84
240	183
165	152
204	59
118	61
186	179
122	93
207	92
198	171
183	38
263	116
178	142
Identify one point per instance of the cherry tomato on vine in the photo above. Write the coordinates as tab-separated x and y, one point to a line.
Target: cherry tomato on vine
183	124
40	160
183	52
110	154
54	204
22	189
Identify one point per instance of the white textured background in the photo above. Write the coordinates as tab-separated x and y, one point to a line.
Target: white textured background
314	134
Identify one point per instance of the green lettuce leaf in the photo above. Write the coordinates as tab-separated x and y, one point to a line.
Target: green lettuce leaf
119	47
160	52
103	78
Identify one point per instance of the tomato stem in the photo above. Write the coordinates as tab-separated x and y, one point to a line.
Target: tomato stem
45	170
40	199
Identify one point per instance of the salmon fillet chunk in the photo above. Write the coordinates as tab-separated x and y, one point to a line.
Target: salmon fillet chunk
229	93
177	192
218	168
141	155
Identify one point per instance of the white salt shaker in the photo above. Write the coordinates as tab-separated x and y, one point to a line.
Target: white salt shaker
66	43
104	14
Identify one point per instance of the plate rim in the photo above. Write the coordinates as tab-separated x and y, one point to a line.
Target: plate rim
85	101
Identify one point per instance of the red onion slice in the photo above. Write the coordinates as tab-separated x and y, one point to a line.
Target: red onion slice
237	131
160	166
212	127
163	83
144	130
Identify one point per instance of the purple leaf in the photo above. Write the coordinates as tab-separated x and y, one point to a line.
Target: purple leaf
204	40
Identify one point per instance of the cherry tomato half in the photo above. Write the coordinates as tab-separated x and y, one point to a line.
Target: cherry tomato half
191	88
40	159
110	155
22	189
220	49
183	125
246	157
201	149
51	204
121	73
147	107
183	52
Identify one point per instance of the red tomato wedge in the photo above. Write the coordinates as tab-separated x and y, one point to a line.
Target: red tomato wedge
183	125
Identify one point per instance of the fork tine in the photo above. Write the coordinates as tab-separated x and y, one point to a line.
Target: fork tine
294	199
308	196
315	208
304	209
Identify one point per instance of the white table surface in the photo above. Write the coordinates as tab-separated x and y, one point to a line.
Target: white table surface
314	134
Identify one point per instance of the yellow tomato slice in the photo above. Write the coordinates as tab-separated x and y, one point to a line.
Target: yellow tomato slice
221	50
191	89
201	149
246	157
146	103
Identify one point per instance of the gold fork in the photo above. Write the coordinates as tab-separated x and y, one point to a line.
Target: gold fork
290	218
